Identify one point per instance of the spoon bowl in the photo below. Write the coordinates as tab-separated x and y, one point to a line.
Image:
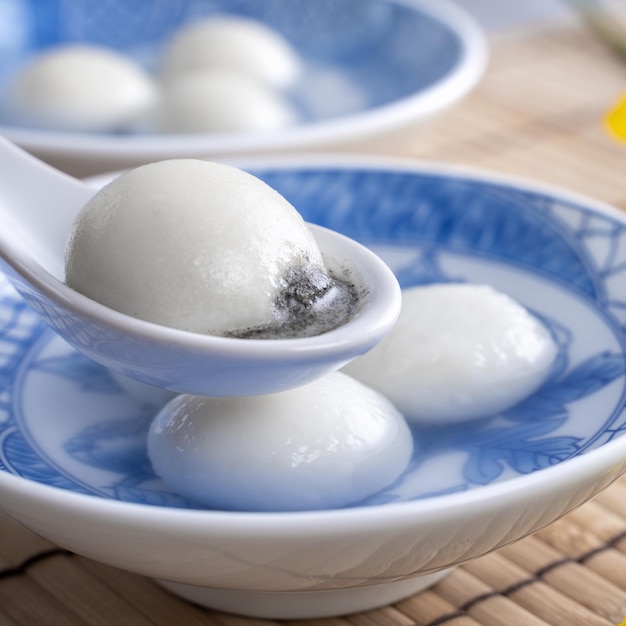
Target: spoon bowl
38	205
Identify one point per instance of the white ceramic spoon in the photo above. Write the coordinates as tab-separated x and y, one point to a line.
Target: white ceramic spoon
37	207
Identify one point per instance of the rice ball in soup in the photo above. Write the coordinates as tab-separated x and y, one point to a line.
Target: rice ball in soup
458	352
328	444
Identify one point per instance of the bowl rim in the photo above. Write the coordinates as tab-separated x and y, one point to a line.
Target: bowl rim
445	91
608	460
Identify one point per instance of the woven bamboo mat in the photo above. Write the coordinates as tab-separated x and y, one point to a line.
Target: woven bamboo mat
537	114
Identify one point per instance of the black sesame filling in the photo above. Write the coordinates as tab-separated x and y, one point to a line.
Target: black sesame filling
311	302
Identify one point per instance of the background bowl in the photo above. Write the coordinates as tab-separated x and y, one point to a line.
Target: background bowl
370	66
72	440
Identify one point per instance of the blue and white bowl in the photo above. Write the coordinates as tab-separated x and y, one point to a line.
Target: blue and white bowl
73	464
370	66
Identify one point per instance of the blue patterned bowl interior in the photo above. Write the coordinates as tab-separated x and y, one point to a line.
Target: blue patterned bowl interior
380	51
67	422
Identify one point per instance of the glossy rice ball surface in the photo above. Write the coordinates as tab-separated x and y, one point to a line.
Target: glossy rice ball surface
458	352
325	445
234	44
221	102
80	87
190	244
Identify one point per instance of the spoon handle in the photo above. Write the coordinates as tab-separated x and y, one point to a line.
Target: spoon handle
37	207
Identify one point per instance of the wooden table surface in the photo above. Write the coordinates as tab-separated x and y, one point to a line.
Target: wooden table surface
538	113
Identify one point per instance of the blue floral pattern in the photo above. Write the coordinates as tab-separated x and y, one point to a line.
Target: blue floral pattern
67	422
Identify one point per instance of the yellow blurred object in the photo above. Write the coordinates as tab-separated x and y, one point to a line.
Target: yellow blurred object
615	120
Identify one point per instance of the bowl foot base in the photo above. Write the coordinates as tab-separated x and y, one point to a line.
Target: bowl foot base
302	604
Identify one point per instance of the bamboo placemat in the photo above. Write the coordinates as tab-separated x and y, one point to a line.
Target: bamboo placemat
537	114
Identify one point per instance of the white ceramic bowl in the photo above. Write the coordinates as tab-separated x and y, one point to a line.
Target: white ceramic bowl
370	66
72	441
